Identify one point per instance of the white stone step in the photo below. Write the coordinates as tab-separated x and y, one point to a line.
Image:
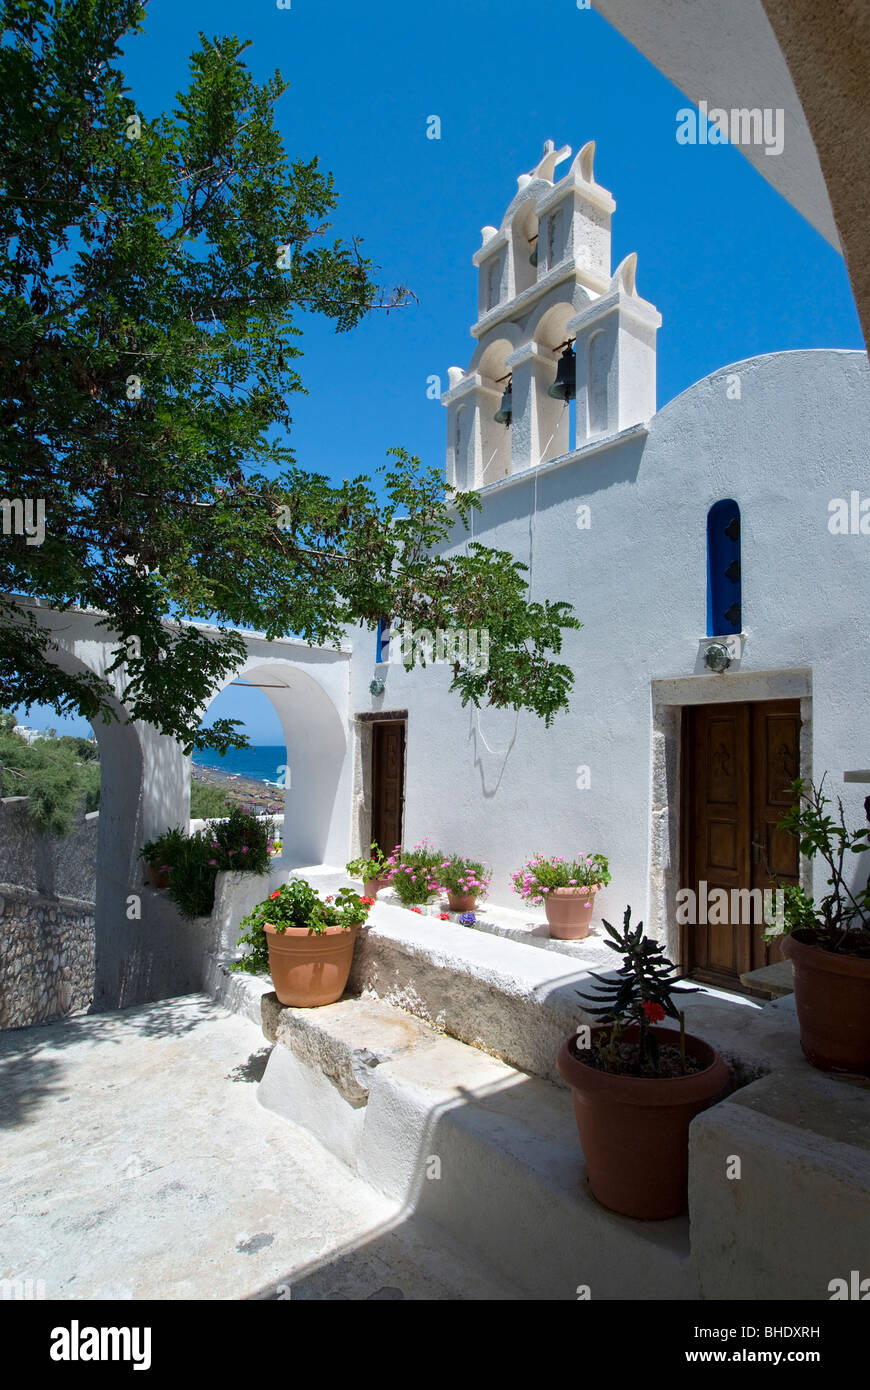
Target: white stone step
484	1151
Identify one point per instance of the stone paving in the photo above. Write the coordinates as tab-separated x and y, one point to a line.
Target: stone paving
137	1163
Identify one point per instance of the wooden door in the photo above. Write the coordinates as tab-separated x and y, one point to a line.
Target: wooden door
388	783
740	759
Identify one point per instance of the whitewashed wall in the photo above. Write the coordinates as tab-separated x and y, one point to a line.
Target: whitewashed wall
500	786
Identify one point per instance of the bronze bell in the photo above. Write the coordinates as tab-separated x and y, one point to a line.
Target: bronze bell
564	388
504	414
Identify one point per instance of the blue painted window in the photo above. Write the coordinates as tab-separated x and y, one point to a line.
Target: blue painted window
724	580
382	651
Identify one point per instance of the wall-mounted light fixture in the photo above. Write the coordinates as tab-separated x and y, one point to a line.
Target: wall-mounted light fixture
717	658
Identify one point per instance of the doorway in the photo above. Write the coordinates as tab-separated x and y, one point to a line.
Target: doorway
739	762
388	784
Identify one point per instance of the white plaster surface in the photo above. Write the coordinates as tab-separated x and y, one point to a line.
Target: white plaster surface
137	1164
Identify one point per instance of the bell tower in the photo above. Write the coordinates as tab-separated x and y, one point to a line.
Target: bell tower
554	325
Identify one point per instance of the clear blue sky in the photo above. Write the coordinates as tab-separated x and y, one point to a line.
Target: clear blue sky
732	268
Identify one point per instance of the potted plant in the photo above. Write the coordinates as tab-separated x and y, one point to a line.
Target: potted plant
567	888
372	870
828	942
414	874
637	1086
305	943
160	856
464	881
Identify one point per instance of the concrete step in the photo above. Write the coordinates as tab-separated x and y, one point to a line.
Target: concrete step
484	1151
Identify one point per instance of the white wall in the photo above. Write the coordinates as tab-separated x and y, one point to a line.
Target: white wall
637	578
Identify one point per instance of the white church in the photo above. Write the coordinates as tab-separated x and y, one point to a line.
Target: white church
716	552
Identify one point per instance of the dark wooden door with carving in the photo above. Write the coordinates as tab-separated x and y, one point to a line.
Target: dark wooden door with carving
740	760
388	783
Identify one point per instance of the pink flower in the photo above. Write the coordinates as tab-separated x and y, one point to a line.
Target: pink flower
212	861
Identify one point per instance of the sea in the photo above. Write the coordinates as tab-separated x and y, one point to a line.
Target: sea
261	762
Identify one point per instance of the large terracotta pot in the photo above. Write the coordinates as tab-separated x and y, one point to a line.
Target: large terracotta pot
569	911
832	997
310	968
462	902
372	886
634	1130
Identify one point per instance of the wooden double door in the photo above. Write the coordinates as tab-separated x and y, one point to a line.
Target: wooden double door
388	783
740	760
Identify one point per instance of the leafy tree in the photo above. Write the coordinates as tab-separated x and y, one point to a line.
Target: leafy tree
151	274
50	774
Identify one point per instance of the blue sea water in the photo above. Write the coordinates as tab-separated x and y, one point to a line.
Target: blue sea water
263	763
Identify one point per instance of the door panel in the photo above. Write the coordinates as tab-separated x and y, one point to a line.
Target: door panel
776	754
740	759
388	783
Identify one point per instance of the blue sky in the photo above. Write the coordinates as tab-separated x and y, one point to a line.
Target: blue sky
733	269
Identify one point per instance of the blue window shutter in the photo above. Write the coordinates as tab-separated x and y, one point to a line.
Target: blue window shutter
724	577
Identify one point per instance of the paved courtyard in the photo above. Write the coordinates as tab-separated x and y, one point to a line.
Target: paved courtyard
137	1163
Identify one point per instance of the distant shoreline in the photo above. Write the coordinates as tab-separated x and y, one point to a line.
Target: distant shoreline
239	790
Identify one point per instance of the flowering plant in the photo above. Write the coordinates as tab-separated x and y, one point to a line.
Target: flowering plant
640	993
462	876
413	873
540	876
297	904
367	867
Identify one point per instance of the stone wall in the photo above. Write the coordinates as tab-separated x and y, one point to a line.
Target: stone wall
46	956
50	864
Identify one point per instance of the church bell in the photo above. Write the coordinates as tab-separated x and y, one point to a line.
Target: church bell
504	414
564	388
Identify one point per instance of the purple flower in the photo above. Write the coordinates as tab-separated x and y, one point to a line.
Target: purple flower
467	919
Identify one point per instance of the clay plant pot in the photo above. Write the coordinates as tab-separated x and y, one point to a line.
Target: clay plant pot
372	886
634	1130
832	997
569	911
309	968
157	877
462	902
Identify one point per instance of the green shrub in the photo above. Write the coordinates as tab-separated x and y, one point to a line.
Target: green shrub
206	801
240	842
50	774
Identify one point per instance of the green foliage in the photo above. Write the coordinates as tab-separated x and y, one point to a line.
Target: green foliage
206	801
367	867
540	876
295	904
239	842
52	775
151	282
840	921
643	988
459	875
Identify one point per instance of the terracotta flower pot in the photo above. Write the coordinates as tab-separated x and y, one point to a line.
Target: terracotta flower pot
372	886
569	911
462	902
832	997
634	1130
157	877
309	968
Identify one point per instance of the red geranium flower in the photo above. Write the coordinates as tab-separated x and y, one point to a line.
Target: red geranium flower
368	902
445	916
276	894
417	909
654	1012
